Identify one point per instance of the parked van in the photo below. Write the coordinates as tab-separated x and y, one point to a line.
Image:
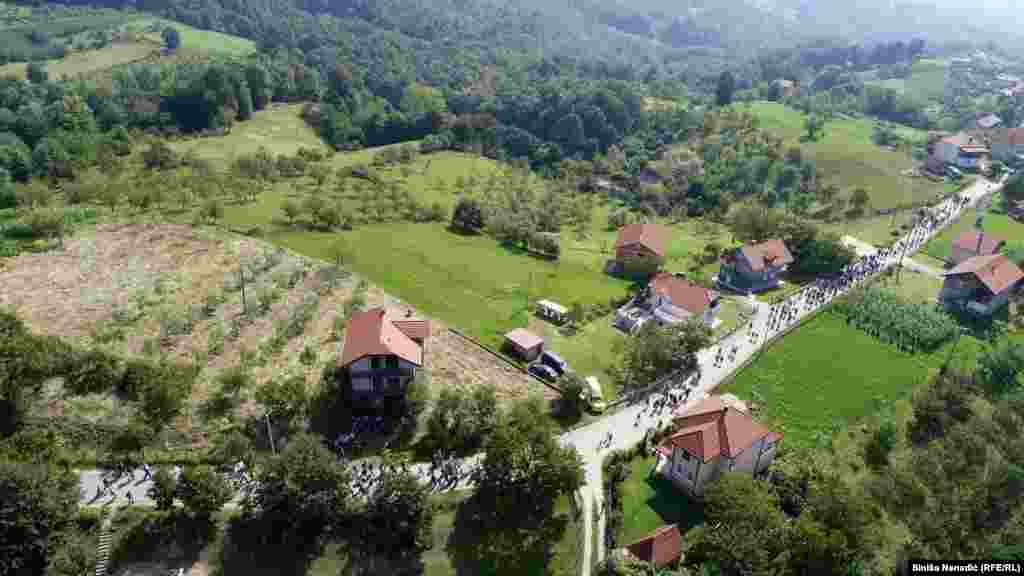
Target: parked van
594	395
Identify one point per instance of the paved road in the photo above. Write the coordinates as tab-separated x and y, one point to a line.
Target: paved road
627	425
864	249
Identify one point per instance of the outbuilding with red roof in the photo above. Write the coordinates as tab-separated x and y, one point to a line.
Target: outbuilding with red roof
640	249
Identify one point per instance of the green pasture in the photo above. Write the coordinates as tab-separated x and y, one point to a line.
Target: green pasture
208	41
649	501
999	225
849	158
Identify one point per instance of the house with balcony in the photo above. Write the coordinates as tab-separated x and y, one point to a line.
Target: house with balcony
755	267
381	354
713	438
980	285
960	150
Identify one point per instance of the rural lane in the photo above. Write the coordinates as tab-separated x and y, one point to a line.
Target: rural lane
864	249
626	426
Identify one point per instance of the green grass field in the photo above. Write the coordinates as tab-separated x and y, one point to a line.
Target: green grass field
913	286
827	374
848	157
650	501
471	282
927	81
207	41
999	225
88	61
279	128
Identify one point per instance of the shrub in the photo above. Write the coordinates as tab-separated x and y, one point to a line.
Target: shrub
266	296
215	340
160	156
163	489
202	490
880	445
308	355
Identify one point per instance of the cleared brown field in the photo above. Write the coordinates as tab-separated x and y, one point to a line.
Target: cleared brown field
90	61
127	288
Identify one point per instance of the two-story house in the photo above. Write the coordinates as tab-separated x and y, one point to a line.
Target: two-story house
381	355
960	150
673	299
756	267
971	243
640	249
980	285
1008	146
713	438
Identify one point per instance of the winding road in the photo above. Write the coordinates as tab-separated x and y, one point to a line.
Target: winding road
628	424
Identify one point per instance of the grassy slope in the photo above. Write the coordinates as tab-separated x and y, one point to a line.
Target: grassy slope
88	61
848	157
927	81
999	225
279	128
207	41
649	502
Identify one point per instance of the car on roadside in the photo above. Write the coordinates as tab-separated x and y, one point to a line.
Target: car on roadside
554	361
543	372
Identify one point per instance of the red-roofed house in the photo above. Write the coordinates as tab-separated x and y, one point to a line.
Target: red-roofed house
713	438
981	284
971	243
640	249
960	150
756	267
661	548
673	299
380	355
1008	145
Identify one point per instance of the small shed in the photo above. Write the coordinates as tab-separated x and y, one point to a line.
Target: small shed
552	311
524	343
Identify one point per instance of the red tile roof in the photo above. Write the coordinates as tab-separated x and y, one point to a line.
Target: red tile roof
682	293
968	240
415	329
712	429
650	236
662	547
995	271
773	252
524	338
370	333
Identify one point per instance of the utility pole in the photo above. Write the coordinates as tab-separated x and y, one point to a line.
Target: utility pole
241	278
270	434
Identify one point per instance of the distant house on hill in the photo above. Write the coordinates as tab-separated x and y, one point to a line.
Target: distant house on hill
639	249
971	243
755	267
987	121
960	150
381	355
786	88
1008	145
980	285
712	438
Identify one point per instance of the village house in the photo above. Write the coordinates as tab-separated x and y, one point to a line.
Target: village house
960	150
980	285
987	121
381	355
1008	146
786	88
971	243
668	300
639	249
524	344
661	548
756	267
712	438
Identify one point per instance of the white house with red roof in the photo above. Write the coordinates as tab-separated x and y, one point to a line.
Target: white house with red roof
712	438
381	355
640	248
755	267
961	150
674	299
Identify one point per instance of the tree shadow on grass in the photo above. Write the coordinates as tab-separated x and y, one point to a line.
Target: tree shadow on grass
256	547
673	506
172	539
470	557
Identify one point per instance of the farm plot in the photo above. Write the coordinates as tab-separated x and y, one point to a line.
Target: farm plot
175	292
827	374
89	61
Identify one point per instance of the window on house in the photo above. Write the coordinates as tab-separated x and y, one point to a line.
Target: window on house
375	363
392	362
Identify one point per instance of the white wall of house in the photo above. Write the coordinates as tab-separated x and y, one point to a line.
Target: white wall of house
665	306
693	475
364	382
